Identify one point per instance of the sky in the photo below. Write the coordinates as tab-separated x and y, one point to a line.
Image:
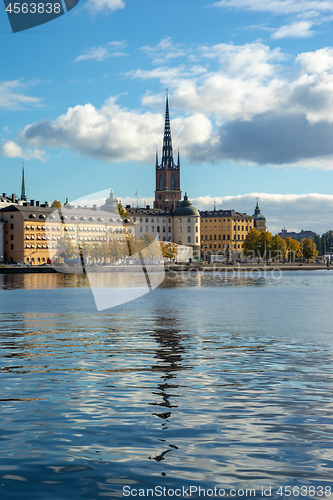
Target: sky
250	84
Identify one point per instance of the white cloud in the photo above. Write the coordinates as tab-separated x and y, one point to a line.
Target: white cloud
102	52
113	133
164	50
300	29
13	95
279	7
99	6
12	150
294	211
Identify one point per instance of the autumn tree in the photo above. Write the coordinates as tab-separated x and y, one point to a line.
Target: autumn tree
308	249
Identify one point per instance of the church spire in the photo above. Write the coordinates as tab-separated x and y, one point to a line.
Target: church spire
23	189
167	154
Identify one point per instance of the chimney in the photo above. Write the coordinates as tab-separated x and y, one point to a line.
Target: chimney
37	203
95	207
14	198
148	207
4	195
32	203
46	203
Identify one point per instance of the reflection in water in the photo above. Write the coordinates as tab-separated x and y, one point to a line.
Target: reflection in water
169	360
210	382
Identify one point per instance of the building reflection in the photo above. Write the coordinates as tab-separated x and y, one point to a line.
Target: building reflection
169	361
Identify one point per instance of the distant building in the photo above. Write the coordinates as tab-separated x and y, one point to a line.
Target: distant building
259	219
224	232
171	219
167	193
186	220
2	243
296	236
32	231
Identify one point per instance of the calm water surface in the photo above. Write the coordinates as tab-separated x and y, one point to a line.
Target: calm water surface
206	381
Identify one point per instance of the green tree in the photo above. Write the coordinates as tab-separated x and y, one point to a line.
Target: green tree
251	243
56	204
308	249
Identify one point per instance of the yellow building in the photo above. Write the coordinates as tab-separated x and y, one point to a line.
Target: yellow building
32	232
223	232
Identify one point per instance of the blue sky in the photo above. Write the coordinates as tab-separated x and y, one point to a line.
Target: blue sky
251	98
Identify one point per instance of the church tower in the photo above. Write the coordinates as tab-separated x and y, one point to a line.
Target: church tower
167	193
23	188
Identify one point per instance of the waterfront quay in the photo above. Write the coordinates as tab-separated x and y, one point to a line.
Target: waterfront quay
171	268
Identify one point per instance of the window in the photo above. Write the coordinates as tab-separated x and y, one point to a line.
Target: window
206	237
224	236
134	219
163	229
12	247
180	229
219	236
152	228
12	226
172	182
11	237
188	219
146	219
158	229
210	236
140	229
161	183
196	229
146	229
189	239
179	220
196	239
169	229
188	229
157	220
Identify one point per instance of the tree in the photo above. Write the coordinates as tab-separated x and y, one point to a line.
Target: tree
56	204
292	249
308	249
122	210
169	250
68	249
251	242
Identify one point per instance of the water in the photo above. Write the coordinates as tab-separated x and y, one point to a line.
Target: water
206	381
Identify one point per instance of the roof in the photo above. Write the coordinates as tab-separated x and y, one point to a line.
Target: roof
67	214
148	211
224	213
186	209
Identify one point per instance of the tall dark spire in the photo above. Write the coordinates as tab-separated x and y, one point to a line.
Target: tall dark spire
23	189
167	154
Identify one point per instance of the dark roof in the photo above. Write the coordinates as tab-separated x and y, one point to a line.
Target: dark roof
148	211
186	209
224	213
69	214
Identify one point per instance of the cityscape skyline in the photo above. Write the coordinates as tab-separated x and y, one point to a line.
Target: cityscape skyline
250	87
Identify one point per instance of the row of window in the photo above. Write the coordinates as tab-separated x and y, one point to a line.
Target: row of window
158	228
239	228
225	237
224	220
189	240
225	247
